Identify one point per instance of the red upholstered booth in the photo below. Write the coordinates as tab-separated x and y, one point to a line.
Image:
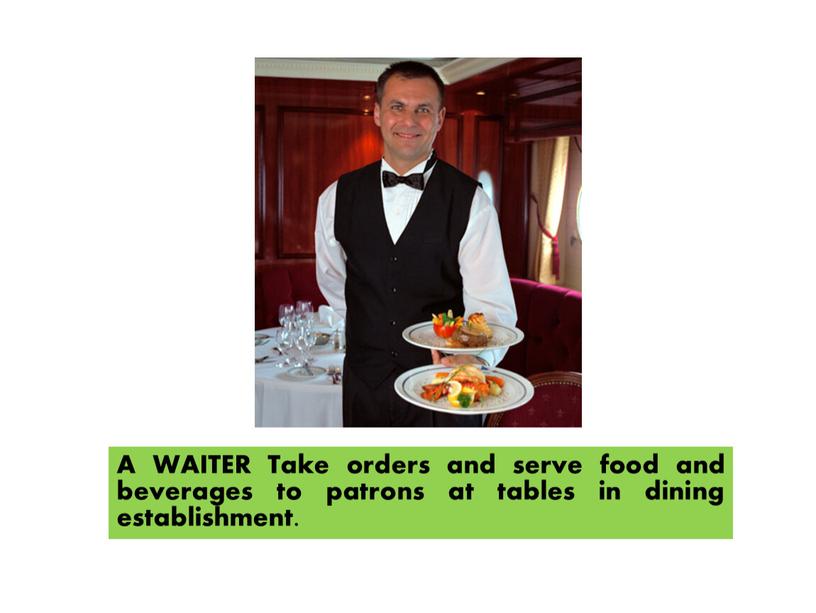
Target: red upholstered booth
549	316
277	284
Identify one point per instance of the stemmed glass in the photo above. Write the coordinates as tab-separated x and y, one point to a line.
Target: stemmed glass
286	313
304	310
285	340
306	339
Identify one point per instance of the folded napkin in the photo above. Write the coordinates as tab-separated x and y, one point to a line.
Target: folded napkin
328	316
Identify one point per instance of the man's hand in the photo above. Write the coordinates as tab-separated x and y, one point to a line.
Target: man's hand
456	360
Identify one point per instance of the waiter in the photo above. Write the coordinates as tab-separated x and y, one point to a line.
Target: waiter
399	240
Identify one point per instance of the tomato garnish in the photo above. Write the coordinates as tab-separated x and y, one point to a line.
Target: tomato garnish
445	324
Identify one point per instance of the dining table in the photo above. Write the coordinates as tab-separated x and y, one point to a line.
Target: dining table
285	397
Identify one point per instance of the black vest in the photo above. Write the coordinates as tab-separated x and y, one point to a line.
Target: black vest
390	287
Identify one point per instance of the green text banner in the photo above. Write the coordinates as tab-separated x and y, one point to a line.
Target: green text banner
420	492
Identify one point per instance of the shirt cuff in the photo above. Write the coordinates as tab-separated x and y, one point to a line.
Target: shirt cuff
490	356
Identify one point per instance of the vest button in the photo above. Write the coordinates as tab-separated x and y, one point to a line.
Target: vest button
393	354
394	290
393	323
394	259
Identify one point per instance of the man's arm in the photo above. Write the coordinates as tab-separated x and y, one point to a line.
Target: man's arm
485	281
330	257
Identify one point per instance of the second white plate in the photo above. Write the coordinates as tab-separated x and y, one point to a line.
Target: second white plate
422	335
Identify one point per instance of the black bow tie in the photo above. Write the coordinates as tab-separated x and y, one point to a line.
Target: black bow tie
416	180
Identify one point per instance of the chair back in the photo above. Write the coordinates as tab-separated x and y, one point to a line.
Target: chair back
550	317
556	403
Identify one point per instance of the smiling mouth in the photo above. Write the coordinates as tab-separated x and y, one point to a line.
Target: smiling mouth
406	136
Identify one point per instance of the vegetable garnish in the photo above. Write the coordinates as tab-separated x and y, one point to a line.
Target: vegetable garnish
463	386
445	324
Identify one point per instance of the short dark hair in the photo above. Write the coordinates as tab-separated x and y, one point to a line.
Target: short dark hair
410	70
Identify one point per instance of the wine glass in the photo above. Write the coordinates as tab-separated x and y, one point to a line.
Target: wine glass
306	339
285	313
285	341
304	309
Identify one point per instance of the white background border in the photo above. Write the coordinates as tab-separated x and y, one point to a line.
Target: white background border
127	258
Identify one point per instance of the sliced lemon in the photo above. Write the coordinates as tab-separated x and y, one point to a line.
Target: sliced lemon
454	389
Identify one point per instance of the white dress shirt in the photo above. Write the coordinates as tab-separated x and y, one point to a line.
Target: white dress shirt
485	282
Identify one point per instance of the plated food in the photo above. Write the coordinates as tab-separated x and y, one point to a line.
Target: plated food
463	386
443	383
452	334
475	332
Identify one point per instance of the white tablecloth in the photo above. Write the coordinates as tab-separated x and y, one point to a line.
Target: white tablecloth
281	400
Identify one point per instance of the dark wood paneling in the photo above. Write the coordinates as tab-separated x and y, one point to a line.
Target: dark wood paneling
544	116
544	113
468	143
521	76
315	147
539	97
275	91
272	94
259	179
269	240
513	213
447	143
487	152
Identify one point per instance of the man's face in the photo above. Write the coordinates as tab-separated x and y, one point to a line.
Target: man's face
409	118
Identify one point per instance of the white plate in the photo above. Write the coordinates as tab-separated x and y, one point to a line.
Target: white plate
516	392
422	335
299	372
323	339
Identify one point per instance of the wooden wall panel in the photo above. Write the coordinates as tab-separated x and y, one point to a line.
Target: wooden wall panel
513	216
447	142
468	143
273	96
259	178
487	153
315	147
